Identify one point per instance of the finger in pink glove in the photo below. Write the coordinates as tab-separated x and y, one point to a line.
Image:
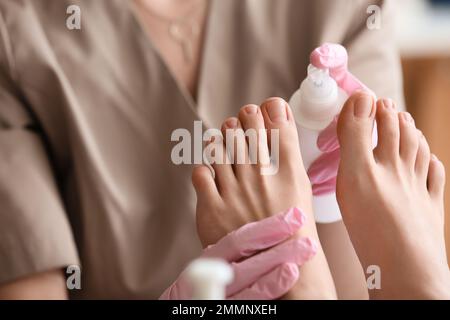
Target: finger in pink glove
248	271
261	258
328	140
323	171
272	285
256	236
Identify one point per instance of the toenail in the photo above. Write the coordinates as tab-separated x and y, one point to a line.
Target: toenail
363	106
388	104
276	109
407	117
434	158
231	123
251	109
420	134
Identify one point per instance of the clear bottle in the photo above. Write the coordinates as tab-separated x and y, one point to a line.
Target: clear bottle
315	105
208	278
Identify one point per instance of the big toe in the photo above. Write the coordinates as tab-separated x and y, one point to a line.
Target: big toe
281	132
355	127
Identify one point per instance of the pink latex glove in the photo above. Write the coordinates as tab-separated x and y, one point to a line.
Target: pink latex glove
323	171
265	263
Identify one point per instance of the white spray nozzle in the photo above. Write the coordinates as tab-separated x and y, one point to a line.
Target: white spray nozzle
209	278
317	101
317	76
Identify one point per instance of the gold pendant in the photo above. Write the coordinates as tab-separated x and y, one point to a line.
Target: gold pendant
183	33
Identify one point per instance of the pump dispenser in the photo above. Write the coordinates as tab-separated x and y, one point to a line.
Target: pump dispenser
318	100
315	105
208	278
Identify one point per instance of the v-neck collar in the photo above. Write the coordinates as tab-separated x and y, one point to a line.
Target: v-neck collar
143	34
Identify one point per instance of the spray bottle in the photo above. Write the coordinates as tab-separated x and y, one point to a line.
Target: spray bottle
315	105
208	278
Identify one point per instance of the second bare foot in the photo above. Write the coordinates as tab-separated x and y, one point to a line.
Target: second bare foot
391	200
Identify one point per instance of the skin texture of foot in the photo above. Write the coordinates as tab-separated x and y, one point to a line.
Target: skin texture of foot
391	200
240	194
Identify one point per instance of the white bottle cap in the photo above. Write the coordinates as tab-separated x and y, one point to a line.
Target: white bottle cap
209	278
318	100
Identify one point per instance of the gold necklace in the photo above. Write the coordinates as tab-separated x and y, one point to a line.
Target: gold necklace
182	30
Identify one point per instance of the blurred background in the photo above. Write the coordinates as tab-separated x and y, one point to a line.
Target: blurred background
424	40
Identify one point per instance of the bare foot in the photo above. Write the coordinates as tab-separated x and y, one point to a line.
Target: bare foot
240	194
391	199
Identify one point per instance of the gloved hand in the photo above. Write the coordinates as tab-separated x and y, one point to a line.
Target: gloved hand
323	171
265	263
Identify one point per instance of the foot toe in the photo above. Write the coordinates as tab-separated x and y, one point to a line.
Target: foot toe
409	140
423	157
235	142
203	181
215	154
355	128
282	133
436	178
387	150
252	122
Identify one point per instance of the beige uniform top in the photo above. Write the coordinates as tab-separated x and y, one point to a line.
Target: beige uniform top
86	118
